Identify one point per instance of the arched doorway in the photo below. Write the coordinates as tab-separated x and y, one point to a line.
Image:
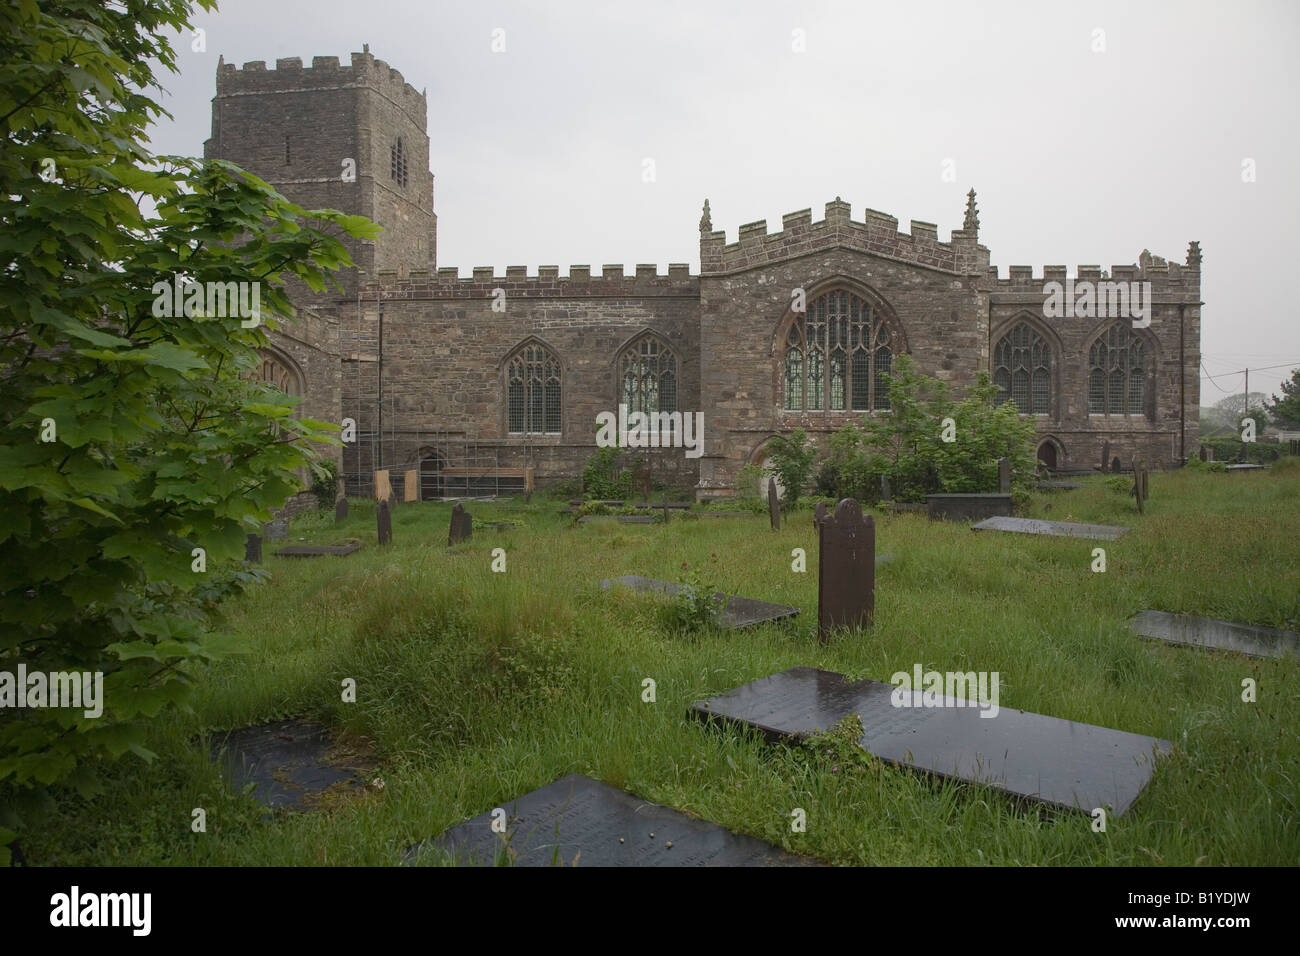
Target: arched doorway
1047	454
431	479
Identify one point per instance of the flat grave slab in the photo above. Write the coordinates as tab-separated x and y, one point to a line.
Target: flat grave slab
577	821
1216	635
1058	762
1059	529
292	762
1244	467
1059	485
635	519
737	612
706	513
319	550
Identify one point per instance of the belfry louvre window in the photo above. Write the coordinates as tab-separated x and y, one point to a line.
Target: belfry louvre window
1022	368
533	392
837	357
647	376
397	163
1117	365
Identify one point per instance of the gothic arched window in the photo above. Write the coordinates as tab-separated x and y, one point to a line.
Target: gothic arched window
837	357
397	163
1117	373
647	376
533	391
1022	367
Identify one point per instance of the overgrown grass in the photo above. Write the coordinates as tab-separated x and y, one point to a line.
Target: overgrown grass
474	687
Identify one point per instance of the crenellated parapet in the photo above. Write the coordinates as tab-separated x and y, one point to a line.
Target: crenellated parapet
1175	282
325	72
876	233
483	282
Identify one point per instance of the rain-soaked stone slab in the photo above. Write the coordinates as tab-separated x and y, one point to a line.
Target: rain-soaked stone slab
635	519
1030	756
846	567
319	550
1217	635
1244	467
292	762
737	612
577	821
1059	529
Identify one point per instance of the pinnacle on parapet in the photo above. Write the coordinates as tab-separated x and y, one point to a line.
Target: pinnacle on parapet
971	225
1193	255
706	221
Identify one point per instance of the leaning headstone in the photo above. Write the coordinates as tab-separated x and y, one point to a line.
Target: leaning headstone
341	509
411	481
1004	475
253	549
1217	635
773	504
1046	759
846	567
384	517
1105	454
577	821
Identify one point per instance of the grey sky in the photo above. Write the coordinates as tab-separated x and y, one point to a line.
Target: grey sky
1077	157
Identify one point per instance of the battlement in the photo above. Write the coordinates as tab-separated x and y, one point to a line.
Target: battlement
1166	277
325	72
876	233
483	281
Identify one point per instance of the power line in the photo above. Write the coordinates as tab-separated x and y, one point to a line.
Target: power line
1211	378
1267	368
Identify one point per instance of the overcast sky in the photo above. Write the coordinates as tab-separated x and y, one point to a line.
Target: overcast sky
1077	156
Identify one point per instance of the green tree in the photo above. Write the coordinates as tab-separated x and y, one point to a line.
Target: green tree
1286	410
793	457
131	437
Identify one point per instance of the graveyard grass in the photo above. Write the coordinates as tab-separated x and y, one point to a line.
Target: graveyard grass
474	687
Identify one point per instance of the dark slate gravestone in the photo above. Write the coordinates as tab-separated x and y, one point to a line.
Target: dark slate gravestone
1105	454
1205	453
1004	476
1217	635
292	762
276	530
1146	490
736	612
577	821
341	509
1114	465
1138	491
456	532
1058	529
846	567
352	546
253	549
384	518
968	507
1045	759
773	504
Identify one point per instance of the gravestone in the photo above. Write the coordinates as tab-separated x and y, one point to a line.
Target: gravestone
1205	632
1058	529
411	486
1004	475
1137	491
1032	756
773	504
341	509
276	530
577	821
384	517
1105	454
641	481
846	567
462	525
253	549
291	762
1146	491
1114	465
973	507
736	611
1205	453
885	492
383	490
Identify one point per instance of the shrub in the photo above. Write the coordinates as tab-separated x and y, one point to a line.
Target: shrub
698	603
793	457
325	482
601	478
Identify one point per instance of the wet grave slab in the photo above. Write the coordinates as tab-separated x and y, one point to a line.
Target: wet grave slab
1057	529
1244	467
738	611
1030	756
1059	485
319	550
292	762
577	821
1215	635
635	519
